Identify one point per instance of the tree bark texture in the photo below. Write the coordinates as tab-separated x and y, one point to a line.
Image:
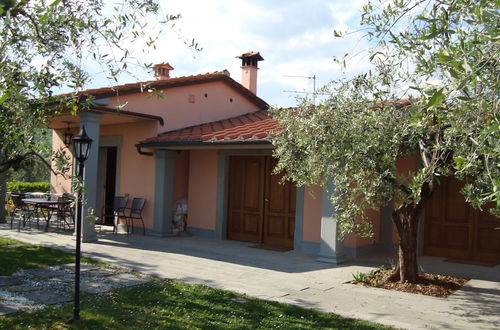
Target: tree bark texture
3	193
406	219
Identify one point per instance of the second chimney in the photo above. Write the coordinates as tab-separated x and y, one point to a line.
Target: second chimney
162	71
249	67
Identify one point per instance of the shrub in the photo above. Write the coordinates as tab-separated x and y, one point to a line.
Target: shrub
17	186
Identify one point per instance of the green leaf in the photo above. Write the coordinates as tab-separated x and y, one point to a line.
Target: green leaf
444	58
454	73
48	11
337	34
436	98
460	162
4	97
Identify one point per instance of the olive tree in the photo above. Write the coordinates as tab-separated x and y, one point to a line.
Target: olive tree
47	45
432	92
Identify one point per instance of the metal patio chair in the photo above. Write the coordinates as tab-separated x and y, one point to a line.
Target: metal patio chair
26	213
18	211
118	211
65	212
135	213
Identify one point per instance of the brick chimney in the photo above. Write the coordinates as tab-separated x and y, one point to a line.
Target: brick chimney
162	71
249	69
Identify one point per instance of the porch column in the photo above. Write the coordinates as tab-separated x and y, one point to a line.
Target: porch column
331	249
164	187
92	127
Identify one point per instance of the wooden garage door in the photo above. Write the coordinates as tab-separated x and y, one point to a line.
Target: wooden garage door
455	230
260	208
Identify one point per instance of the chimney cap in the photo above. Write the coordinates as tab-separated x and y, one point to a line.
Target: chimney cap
251	55
224	72
162	71
163	66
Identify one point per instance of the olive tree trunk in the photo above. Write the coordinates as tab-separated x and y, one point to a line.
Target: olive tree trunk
406	220
3	193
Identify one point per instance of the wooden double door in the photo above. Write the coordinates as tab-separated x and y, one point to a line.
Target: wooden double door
261	209
455	230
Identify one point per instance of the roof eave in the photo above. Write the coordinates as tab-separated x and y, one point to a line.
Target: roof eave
198	143
129	113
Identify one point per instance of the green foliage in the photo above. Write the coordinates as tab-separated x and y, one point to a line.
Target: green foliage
370	278
30	170
432	92
45	46
359	277
34	168
18	186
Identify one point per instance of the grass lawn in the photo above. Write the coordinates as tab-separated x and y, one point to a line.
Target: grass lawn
16	255
164	304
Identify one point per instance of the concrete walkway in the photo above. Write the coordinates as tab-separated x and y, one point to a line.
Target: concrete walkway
295	278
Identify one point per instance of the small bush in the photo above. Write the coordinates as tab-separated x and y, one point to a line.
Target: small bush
360	277
370	278
17	186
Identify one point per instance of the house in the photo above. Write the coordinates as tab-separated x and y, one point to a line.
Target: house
205	139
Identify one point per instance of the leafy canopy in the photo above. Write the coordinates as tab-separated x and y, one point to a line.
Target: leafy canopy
47	46
432	92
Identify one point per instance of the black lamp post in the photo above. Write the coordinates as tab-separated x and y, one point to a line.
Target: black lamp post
81	144
67	136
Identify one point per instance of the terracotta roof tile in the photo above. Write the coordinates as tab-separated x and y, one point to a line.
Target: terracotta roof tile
251	127
144	86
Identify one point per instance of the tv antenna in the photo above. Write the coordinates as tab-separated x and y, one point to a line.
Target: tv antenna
313	78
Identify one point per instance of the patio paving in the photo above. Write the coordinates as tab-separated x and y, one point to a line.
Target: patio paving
296	278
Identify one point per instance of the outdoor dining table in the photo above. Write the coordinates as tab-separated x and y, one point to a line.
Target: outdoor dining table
48	204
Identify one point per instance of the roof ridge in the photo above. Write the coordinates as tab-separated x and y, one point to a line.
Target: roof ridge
211	122
147	82
142	86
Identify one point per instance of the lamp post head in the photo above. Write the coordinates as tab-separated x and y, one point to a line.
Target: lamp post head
81	145
68	137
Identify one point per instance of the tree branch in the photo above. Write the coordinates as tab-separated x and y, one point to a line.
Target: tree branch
397	184
19	158
426	158
34	22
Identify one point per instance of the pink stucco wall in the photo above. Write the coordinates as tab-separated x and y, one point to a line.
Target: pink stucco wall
60	184
136	172
181	176
187	105
311	229
202	193
356	240
179	107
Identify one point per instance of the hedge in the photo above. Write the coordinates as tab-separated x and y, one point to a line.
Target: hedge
18	186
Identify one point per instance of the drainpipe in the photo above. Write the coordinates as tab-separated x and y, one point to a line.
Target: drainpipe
144	153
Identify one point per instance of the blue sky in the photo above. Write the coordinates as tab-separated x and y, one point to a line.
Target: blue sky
295	37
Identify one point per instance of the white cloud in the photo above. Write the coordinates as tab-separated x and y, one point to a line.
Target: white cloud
343	12
294	37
